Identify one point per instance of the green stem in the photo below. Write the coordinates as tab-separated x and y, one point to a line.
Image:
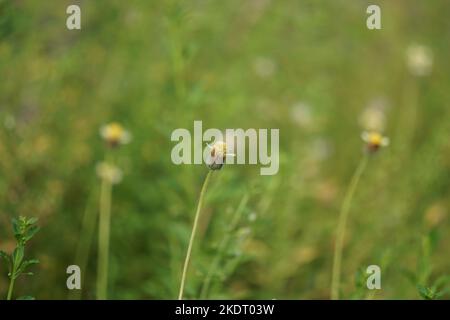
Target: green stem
10	289
194	230
103	239
84	245
340	234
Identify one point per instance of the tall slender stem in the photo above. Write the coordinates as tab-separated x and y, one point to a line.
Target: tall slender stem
340	234
103	239
10	289
194	230
84	244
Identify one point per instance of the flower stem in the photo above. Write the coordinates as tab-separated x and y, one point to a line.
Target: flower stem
13	279
194	230
84	244
103	239
340	233
10	289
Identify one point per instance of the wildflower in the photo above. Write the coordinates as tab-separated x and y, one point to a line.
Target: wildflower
217	155
374	140
109	173
216	158
252	216
114	134
419	60
264	67
301	114
321	149
373	117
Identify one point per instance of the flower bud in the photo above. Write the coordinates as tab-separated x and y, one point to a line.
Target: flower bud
114	134
217	155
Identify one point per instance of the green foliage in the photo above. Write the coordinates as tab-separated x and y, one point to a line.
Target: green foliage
427	288
308	68
24	229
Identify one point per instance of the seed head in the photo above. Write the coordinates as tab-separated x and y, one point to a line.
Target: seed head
217	155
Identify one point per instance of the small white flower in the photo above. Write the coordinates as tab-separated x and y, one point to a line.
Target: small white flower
301	115
373	117
252	216
109	172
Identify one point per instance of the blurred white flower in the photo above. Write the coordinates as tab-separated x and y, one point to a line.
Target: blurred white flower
252	216
321	149
109	172
373	117
419	59
264	67
301	114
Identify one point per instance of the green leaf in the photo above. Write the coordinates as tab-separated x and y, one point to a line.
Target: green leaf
442	281
443	292
5	256
426	292
16	228
32	221
18	255
25	265
30	233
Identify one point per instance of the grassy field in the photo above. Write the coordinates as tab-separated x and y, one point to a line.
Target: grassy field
309	68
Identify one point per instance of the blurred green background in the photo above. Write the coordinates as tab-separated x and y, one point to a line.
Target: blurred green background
310	68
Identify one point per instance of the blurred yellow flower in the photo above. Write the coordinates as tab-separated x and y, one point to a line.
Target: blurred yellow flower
115	134
374	140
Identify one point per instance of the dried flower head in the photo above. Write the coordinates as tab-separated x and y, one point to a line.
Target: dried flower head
374	141
114	134
419	59
109	173
217	155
